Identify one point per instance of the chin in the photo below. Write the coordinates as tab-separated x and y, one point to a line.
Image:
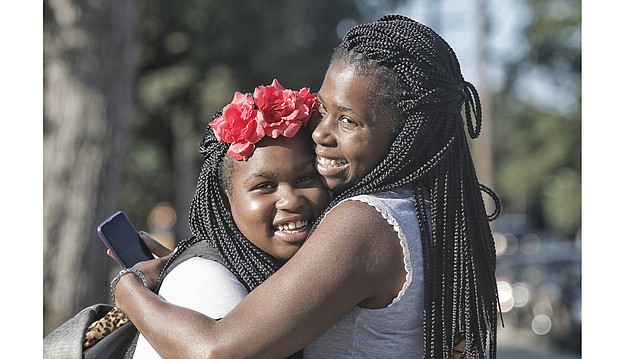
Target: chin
287	254
336	185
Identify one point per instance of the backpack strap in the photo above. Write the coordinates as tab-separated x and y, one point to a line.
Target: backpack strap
200	249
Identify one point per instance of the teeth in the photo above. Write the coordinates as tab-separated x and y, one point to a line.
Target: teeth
331	163
291	226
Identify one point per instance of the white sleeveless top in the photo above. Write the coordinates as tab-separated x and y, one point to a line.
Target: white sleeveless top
395	331
200	284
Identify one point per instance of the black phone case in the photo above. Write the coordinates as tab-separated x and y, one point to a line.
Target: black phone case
121	237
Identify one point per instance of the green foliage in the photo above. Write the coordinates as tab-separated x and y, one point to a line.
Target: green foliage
537	135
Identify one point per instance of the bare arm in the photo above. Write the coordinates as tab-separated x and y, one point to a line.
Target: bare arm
353	258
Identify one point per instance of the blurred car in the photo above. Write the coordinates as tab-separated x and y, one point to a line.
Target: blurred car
539	286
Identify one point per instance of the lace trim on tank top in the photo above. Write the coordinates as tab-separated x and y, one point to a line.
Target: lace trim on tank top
368	199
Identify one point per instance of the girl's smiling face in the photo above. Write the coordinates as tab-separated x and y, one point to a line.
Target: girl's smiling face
352	137
276	194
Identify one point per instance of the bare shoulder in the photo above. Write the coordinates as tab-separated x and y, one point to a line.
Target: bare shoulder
357	214
357	224
363	242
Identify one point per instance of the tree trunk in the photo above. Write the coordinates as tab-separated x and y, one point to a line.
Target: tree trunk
90	66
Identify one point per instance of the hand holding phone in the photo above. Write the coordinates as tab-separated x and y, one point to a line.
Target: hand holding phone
121	237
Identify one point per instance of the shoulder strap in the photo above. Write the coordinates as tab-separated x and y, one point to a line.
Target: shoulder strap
200	249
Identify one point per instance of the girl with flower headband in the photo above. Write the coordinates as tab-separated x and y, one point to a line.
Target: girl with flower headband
257	196
402	262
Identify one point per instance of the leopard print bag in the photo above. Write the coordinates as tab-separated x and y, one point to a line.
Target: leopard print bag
99	331
102	331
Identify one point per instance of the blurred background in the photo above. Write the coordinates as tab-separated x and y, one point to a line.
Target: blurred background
129	87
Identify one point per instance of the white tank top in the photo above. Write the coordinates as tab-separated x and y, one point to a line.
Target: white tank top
395	331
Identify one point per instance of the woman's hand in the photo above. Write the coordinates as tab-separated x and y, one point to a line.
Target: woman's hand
151	268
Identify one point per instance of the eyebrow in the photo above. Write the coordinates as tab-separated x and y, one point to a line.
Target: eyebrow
340	108
299	166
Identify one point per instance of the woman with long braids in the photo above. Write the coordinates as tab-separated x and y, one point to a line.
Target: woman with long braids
402	263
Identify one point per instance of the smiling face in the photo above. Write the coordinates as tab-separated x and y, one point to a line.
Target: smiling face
353	136
276	194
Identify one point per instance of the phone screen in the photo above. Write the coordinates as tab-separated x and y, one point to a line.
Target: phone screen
120	235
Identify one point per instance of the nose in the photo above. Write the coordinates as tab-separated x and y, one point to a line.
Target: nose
322	133
290	199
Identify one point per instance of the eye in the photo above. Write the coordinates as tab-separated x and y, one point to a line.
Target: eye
265	187
322	109
347	121
307	179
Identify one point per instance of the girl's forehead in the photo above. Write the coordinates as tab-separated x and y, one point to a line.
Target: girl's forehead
278	156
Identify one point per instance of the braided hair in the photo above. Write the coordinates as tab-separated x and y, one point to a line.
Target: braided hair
211	219
418	81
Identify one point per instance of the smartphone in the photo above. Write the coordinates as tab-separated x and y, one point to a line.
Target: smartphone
121	237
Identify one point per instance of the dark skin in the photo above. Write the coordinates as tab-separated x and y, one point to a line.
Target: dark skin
277	186
352	137
330	274
354	258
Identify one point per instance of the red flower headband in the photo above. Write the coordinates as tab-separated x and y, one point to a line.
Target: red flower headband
272	111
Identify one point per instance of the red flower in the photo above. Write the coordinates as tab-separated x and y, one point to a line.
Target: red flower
310	100
283	111
272	111
238	126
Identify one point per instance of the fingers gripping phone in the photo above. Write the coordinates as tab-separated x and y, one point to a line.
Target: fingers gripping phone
121	237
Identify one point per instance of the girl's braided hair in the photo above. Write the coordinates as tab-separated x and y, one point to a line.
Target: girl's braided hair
417	78
211	220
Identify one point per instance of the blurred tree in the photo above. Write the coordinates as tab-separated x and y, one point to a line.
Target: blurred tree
89	72
191	57
538	121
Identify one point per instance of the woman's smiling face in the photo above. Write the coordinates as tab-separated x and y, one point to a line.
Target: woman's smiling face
276	194
352	137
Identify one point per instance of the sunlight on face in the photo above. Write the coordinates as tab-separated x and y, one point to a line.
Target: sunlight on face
276	195
353	136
